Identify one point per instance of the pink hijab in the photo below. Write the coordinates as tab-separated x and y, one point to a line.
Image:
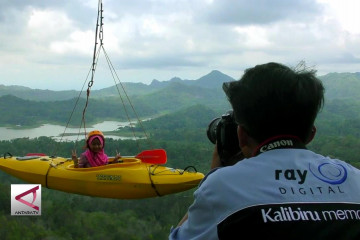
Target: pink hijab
96	159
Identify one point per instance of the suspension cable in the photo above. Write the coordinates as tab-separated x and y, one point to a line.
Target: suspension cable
71	115
118	82
99	35
99	24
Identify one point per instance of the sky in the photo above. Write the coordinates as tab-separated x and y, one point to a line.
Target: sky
50	44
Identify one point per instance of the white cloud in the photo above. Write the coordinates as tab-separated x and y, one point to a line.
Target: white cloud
253	37
77	42
346	12
48	24
53	41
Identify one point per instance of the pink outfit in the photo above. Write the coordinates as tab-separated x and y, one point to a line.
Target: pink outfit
91	159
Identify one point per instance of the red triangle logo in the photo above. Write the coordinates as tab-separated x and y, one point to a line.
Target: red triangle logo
33	191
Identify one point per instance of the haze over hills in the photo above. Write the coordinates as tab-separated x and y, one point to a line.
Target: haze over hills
338	86
27	106
210	81
341	85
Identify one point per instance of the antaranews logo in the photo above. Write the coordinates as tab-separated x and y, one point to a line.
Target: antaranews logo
25	199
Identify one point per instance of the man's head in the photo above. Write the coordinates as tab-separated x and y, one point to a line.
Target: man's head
272	99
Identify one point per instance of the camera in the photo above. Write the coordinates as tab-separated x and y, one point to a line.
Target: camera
223	131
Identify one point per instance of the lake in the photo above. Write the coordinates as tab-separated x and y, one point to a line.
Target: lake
55	131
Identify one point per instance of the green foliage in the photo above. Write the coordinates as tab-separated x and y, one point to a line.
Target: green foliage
181	132
342	147
183	135
177	96
71	216
112	103
29	113
341	85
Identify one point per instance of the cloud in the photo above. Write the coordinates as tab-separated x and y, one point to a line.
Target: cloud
260	12
147	39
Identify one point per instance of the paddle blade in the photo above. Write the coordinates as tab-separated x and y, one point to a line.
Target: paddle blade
36	154
154	156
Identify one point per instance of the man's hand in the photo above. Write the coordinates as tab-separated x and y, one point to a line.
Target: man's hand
215	159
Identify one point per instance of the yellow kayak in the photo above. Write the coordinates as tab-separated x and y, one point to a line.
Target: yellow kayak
130	179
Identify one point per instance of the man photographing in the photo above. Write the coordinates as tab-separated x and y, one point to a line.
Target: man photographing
280	190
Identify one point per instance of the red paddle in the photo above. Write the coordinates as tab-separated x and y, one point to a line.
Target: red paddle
155	156
36	154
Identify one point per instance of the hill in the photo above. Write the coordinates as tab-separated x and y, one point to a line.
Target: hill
212	80
181	131
36	94
29	107
341	85
338	86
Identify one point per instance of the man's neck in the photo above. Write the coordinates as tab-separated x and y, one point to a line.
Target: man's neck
278	142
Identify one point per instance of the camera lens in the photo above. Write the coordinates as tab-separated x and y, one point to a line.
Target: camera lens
223	132
211	130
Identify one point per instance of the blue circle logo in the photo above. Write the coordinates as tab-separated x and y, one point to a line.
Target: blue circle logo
332	173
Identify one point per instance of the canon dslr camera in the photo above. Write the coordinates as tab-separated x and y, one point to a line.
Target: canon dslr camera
223	131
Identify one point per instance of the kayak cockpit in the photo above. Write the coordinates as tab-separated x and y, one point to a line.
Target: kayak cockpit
124	162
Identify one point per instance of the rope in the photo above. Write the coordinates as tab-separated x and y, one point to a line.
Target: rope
171	169
186	169
99	23
7	153
90	83
152	183
117	83
72	113
99	36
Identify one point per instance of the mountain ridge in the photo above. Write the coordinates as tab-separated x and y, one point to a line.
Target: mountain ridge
337	85
150	101
211	80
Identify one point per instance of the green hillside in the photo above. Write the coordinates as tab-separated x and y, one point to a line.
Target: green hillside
212	80
182	134
342	86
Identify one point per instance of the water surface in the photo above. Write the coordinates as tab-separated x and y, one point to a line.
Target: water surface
56	131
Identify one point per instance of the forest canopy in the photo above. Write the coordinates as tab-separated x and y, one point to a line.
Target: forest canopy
180	130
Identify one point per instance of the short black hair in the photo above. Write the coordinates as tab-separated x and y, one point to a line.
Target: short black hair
272	99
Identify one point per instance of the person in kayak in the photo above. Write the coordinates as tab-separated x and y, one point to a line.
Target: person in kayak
281	189
94	155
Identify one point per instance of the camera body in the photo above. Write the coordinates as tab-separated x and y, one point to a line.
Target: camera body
223	132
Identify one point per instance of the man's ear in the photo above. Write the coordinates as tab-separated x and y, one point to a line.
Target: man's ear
242	136
244	142
312	135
